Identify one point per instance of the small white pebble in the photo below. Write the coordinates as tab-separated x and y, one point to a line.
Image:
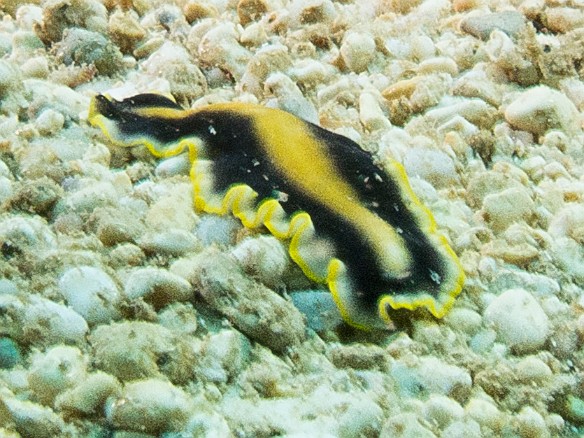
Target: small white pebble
463	319
156	286
357	51
519	320
530	424
531	369
504	208
442	378
151	406
49	122
442	410
541	108
264	257
484	412
172	242
56	323
370	112
55	371
91	293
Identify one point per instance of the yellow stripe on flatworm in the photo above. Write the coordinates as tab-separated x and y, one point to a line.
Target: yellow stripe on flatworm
311	167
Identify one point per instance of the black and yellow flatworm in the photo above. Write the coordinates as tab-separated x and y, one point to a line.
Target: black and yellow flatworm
348	222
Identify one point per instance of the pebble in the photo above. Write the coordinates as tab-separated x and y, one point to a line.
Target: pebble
172	242
88	396
114	225
251	10
442	410
540	109
477	83
440	64
540	285
10	353
222	356
360	419
505	208
151	406
173	63
432	165
465	320
569	256
179	165
54	371
532	370
485	413
519	320
136	349
266	61
37	195
220	47
357	51
156	286
38	321
28	234
80	46
370	113
173	209
289	97
10	79
252	308
263	257
568	222
92	293
319	309
32	419
88	14
530	424
93	195
49	122
444	379
463	429
180	318
476	111
218	230
359	357
481	25
483	341
125	30
563	19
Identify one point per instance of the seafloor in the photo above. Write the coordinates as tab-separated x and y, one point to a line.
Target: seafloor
124	313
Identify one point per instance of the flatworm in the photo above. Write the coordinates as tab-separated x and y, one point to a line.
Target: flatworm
348	222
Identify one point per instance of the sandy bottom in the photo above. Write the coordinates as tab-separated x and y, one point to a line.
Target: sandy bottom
125	313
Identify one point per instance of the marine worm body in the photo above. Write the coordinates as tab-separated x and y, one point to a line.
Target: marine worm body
348	223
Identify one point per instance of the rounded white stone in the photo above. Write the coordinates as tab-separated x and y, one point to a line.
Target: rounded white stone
50	122
507	207
56	370
484	412
151	406
531	424
357	50
91	293
519	320
541	108
57	322
442	410
157	285
531	369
